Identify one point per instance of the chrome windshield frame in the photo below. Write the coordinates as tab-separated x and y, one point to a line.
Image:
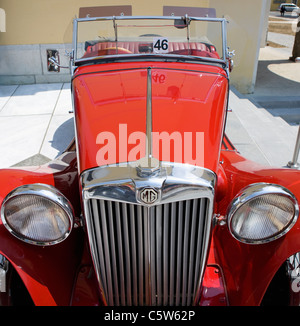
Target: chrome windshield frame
225	54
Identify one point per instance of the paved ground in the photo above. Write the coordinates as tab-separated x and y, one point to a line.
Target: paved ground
36	124
264	125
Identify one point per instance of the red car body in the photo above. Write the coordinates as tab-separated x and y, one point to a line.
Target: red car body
187	98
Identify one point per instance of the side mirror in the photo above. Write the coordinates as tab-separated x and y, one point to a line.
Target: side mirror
230	54
53	61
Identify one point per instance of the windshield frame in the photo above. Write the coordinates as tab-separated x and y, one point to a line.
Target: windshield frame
224	61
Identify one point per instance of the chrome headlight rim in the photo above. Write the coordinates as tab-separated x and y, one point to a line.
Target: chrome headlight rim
44	191
256	190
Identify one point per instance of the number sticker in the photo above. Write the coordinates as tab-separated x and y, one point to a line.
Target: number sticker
160	45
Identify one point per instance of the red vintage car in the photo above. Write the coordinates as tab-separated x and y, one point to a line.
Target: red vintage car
151	204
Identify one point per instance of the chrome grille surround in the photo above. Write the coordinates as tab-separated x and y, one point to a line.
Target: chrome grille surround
149	254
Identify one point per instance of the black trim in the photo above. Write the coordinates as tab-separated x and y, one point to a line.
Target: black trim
147	57
146	67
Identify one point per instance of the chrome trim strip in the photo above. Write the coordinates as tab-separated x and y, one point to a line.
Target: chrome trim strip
255	190
149	116
175	183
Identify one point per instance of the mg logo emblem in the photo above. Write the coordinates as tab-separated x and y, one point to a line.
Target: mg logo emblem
148	195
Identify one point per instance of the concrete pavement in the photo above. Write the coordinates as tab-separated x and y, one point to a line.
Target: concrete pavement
264	125
36	124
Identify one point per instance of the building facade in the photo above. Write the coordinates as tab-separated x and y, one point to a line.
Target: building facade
34	26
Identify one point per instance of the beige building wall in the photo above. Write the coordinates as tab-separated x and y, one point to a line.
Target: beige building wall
32	26
246	35
44	21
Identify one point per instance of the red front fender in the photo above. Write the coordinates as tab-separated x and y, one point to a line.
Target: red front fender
47	272
248	269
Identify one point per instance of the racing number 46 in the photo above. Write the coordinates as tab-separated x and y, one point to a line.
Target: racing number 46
160	45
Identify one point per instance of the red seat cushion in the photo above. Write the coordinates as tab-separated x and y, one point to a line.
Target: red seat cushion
185	48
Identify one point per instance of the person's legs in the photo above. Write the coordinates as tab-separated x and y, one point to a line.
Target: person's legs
296	47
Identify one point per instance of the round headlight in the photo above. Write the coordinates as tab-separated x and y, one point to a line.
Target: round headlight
262	213
37	214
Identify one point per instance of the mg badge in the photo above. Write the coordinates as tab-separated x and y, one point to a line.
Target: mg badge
148	195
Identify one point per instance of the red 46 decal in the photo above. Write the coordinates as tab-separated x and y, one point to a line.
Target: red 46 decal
160	45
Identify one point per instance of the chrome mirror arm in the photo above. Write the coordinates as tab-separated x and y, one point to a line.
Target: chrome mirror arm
55	62
230	55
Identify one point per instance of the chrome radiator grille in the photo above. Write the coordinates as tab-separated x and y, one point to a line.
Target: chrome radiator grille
148	255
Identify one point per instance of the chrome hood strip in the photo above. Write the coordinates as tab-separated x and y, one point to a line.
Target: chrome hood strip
149	116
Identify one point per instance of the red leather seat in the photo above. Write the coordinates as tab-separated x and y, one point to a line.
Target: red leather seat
184	48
